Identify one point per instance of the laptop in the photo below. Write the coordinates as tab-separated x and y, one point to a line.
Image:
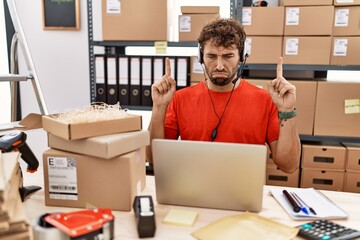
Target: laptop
216	175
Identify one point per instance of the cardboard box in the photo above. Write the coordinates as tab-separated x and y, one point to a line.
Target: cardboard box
305	102
345	51
352	181
142	20
263	49
352	156
71	131
193	19
73	180
323	155
263	20
307	2
305	21
337	110
196	70
307	50
29	122
346	3
106	146
346	21
322	179
275	176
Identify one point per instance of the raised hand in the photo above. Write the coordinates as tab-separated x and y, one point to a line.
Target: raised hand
163	90
281	91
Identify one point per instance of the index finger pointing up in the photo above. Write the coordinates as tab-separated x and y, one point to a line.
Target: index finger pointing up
167	67
279	68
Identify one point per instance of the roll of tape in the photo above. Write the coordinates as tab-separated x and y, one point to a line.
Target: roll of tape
44	231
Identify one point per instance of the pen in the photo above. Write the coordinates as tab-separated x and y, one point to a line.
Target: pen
292	201
303	208
310	208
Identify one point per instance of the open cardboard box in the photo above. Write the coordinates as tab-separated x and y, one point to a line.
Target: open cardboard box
31	121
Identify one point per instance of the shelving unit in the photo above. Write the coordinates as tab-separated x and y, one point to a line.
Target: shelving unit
118	47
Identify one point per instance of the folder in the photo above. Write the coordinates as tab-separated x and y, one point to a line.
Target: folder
172	67
113	85
159	68
123	68
182	72
135	91
146	81
100	78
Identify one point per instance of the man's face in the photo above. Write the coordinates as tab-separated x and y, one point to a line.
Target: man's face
221	63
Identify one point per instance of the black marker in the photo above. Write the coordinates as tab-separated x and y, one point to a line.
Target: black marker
292	201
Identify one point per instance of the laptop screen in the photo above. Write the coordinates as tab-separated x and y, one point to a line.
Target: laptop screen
209	174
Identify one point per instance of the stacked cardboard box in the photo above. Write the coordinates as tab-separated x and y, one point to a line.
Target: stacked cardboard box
13	222
95	165
352	167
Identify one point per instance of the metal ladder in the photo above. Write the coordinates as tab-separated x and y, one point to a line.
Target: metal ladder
13	77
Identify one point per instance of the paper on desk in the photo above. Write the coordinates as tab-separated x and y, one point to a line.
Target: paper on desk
180	217
322	205
247	226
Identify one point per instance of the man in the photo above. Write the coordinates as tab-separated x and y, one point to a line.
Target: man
225	107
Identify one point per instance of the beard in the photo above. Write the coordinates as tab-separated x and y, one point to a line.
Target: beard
223	81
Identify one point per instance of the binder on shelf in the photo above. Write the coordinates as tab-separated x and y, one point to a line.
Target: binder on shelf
113	85
172	66
100	78
182	72
146	81
159	68
123	73
135	91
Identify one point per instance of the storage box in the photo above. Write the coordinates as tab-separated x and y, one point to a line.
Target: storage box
337	109
263	20
196	70
352	156
259	51
307	2
346	2
73	180
275	176
106	146
90	129
352	181
302	21
346	21
305	102
345	51
322	179
193	19
142	20
307	50
323	155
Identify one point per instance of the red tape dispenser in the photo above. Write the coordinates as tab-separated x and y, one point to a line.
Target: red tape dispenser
84	224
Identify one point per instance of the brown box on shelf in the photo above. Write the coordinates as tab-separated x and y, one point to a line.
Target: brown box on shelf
144	20
307	50
323	155
346	21
192	20
352	181
259	50
74	180
345	51
337	111
72	131
316	20
263	21
346	3
105	146
275	176
307	2
305	102
322	179
196	70
352	156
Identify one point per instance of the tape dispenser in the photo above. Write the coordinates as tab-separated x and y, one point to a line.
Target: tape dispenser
145	216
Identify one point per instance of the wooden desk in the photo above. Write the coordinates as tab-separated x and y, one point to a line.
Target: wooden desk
125	227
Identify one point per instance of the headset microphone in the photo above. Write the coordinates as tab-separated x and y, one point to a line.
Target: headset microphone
240	70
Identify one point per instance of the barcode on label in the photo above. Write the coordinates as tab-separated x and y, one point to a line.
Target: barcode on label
63	187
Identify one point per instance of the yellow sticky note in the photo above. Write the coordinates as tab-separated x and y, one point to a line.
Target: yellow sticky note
352	106
181	217
160	47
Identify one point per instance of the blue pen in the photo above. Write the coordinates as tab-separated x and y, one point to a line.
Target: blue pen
302	208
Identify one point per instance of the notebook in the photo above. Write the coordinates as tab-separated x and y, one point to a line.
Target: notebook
209	174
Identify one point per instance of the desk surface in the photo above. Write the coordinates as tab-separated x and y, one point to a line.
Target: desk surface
125	227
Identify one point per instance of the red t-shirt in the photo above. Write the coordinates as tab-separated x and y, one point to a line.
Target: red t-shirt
250	117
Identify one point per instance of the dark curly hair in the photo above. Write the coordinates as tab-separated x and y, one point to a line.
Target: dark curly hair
223	32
